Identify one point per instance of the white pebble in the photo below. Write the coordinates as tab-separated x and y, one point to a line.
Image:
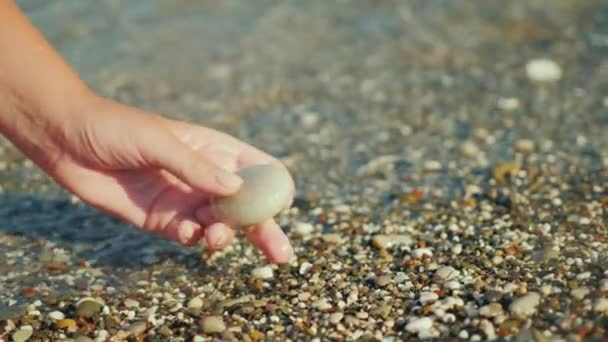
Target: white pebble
264	272
56	315
195	303
469	149
418	253
543	70
419	325
463	334
452	285
305	267
508	103
303	229
131	303
525	306
580	293
601	305
432	166
336	317
428	297
445	273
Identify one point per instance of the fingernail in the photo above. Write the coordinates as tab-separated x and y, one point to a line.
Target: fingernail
229	180
220	240
185	233
285	252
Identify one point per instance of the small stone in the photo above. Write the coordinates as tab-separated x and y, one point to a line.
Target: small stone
88	307
309	119
469	149
580	293
266	190
237	301
524	146
445	273
418	253
65	323
22	335
525	306
304	296
165	331
212	324
322	305
381	241
543	70
463	334
264	272
601	305
137	328
303	229
332	238
382	281
83	338
400	277
452	285
56	315
428	297
508	103
131	303
336	317
305	267
29	292
491	310
488	329
604	285
419	325
195	303
432	166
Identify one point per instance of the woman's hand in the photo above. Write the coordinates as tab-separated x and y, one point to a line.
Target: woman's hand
158	174
153	172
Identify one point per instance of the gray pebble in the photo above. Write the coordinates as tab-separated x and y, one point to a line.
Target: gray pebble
195	303
88	307
22	335
491	310
213	324
445	273
266	190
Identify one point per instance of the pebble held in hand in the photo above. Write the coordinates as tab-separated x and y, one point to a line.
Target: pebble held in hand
265	192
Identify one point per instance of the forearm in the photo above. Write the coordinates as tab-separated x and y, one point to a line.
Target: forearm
38	90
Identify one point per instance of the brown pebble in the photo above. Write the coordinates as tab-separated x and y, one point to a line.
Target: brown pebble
28	292
503	170
65	323
256	335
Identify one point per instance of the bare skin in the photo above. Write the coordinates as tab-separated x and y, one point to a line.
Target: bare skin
152	172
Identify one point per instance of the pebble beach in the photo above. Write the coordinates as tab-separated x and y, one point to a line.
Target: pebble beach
450	160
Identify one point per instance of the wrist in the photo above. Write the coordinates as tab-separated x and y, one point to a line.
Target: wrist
39	126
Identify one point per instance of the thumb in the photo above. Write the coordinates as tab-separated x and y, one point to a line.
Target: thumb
169	153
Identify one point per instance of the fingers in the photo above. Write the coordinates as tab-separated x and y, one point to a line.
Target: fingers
271	240
185	231
169	153
218	236
268	237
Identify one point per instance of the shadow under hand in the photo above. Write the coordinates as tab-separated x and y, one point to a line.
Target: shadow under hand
85	232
